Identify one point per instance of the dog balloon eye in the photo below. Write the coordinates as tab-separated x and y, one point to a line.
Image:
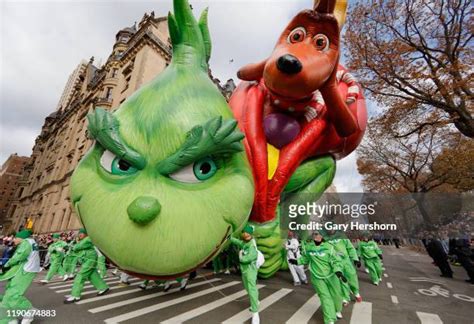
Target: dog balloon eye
297	35
322	42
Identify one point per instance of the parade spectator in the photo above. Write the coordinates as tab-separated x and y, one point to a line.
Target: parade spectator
437	252
463	252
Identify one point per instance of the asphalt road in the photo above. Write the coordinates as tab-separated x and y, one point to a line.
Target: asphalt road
411	292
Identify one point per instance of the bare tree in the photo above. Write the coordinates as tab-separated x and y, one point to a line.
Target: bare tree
416	55
431	159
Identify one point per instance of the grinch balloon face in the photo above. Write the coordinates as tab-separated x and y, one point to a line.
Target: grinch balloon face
167	181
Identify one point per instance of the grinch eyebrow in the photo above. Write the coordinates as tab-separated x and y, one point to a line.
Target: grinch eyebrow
104	128
214	137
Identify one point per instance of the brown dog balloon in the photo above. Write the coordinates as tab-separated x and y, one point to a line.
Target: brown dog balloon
299	110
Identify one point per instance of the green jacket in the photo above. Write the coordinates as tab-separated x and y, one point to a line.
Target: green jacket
368	250
57	248
18	260
344	249
323	260
21	254
70	247
247	255
86	251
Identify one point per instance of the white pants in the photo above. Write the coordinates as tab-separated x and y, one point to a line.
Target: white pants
297	272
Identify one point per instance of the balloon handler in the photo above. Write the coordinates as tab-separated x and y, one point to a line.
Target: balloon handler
24	265
250	260
349	260
369	251
56	256
88	272
326	273
70	261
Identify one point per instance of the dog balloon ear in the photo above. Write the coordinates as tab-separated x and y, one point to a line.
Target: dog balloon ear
252	72
324	6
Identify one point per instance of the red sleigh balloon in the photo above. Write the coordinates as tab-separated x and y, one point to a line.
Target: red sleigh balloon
300	101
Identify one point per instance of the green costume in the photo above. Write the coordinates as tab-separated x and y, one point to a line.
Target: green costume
88	271
248	268
371	254
25	265
70	260
348	254
323	264
56	257
101	266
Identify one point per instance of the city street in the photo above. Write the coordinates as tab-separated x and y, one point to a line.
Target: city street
411	292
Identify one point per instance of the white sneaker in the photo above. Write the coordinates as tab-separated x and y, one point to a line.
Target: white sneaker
44	281
345	303
184	283
227	272
367	270
376	283
255	318
29	319
66	277
71	300
167	286
339	315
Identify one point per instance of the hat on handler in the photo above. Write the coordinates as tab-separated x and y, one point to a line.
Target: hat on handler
82	231
23	234
248	229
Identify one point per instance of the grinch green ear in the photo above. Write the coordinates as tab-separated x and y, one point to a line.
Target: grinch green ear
191	40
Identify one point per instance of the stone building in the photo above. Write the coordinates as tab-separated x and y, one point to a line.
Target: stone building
9	174
139	53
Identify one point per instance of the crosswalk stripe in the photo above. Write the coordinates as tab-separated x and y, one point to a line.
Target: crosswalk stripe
93	291
111	282
70	284
206	308
362	313
304	314
246	314
427	318
131	291
153	308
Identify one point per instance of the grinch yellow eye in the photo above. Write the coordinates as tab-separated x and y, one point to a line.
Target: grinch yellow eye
115	165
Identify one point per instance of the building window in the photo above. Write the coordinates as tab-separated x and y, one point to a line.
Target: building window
108	93
114	72
127	83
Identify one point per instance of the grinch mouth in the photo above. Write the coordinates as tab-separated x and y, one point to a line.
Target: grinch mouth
182	274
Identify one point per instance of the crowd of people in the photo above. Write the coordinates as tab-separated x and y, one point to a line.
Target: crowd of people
330	256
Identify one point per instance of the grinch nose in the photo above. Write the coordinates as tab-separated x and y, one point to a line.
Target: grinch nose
143	210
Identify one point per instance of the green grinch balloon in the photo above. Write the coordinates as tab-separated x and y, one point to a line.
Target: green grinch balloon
167	181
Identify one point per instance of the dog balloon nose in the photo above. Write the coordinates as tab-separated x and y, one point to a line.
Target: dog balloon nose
289	64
